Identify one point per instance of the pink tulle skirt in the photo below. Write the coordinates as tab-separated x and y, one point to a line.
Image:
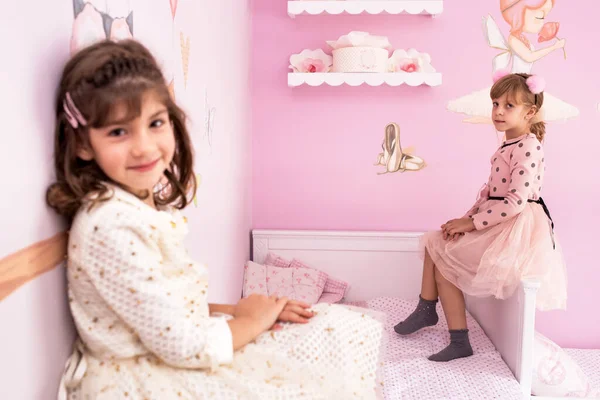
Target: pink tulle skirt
493	261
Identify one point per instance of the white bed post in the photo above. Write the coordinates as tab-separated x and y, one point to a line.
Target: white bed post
527	320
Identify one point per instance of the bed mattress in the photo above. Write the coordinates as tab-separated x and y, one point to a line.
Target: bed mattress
408	374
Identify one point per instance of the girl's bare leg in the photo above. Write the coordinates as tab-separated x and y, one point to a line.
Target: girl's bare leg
425	314
453	303
429	290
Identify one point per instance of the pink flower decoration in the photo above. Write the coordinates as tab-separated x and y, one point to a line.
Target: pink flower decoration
548	32
313	65
311	61
410	61
409	67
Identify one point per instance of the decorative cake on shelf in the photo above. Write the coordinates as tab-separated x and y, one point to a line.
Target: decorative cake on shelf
360	52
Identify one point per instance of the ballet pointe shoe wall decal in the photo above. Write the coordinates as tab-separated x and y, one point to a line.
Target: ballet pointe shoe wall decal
393	158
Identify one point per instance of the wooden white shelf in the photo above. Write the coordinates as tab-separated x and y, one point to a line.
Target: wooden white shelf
414	7
372	79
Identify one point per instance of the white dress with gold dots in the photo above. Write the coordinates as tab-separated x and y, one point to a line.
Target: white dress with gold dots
140	306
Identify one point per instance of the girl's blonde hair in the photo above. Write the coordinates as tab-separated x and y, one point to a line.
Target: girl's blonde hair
515	86
98	78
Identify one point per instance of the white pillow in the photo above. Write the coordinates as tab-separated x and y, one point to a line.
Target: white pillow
556	374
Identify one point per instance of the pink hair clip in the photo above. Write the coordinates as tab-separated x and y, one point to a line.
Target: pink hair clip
536	84
72	112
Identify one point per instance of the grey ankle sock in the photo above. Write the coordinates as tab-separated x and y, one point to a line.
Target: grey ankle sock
459	347
424	315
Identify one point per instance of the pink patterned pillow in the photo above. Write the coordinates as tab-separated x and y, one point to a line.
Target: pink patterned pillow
556	374
330	298
301	284
334	289
298	283
255	279
280	282
309	283
274	259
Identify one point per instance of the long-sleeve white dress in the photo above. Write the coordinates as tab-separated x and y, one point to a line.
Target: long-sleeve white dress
140	307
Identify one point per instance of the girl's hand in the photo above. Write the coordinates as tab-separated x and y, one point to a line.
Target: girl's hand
458	226
444	233
295	311
447	236
252	316
456	236
260	309
560	43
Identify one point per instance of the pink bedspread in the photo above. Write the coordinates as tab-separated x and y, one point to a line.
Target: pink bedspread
589	361
408	374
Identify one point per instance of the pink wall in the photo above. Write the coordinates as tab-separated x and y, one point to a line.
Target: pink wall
314	148
218	67
37	332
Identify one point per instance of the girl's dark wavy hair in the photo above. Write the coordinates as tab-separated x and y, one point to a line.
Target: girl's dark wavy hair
97	78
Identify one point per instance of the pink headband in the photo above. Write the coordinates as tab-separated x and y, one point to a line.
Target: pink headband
535	83
72	113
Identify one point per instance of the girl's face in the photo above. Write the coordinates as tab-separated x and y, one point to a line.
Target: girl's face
535	19
134	153
509	116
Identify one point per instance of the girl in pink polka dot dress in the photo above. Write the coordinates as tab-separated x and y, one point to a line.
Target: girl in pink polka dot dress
508	234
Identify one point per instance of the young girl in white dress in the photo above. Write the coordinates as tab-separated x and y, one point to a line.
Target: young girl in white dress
123	164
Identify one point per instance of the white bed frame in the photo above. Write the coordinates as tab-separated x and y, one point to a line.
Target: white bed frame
388	264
